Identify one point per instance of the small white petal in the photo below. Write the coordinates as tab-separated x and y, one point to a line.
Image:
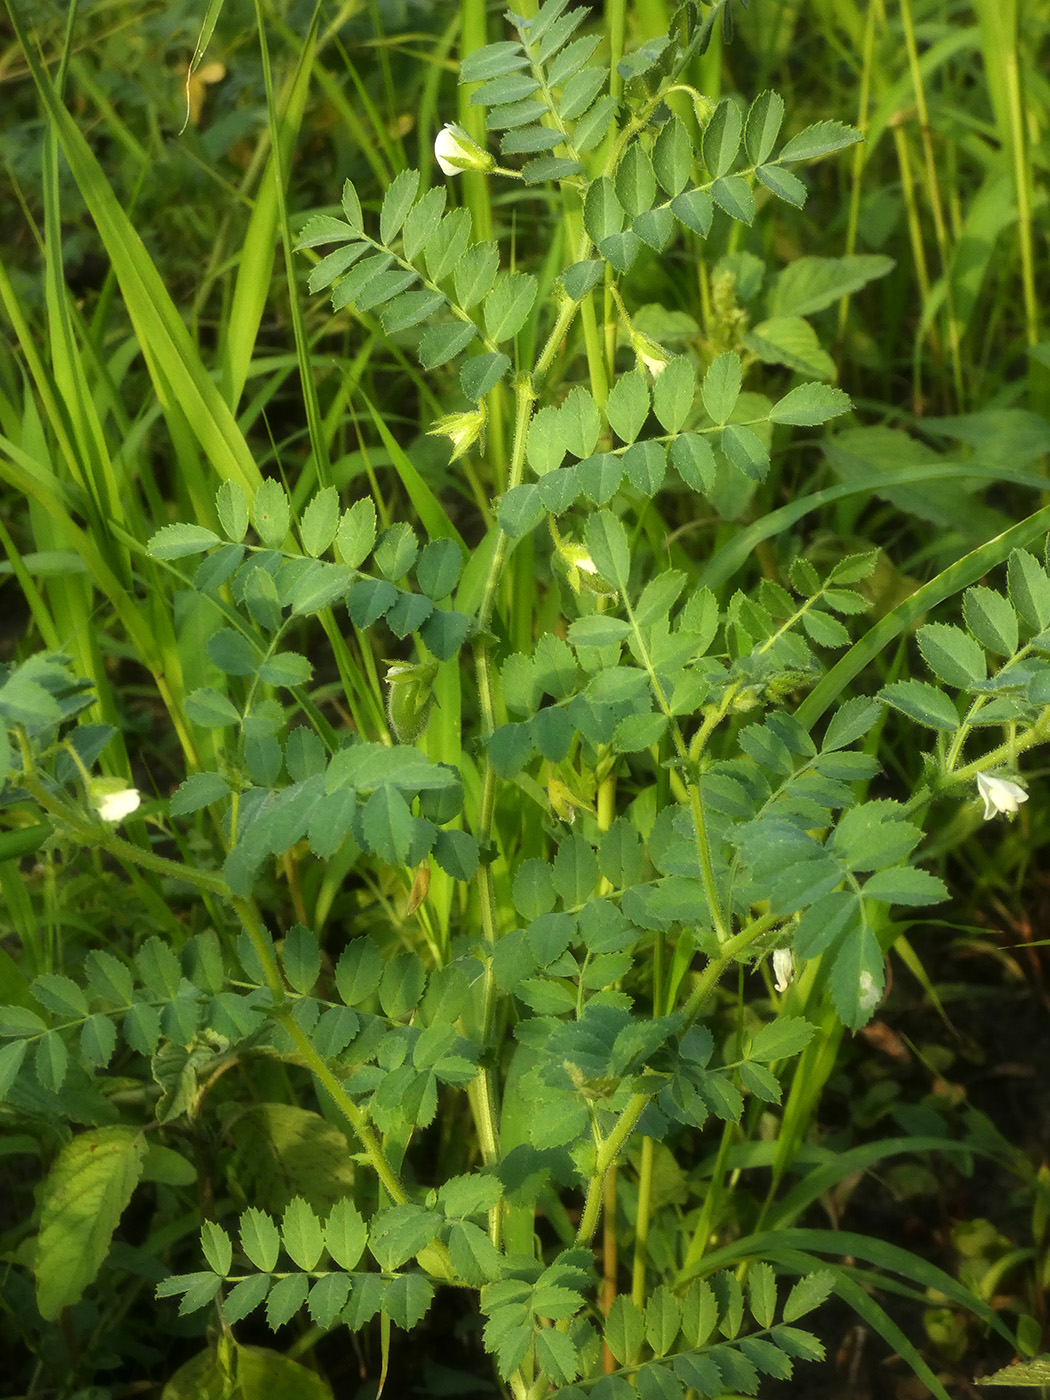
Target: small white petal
115	806
999	795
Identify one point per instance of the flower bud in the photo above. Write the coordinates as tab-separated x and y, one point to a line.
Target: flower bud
455	152
461	429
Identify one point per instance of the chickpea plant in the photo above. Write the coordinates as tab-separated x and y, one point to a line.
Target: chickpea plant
628	809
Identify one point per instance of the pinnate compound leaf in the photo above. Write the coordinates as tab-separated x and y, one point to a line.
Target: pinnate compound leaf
82	1199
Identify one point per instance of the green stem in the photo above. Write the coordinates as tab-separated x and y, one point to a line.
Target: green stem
607	1154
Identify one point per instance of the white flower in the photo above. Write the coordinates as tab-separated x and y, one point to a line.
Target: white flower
455	151
1000	795
783	969
115	806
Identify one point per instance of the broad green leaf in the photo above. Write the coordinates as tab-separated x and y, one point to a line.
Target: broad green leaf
404	980
302	1234
695	209
607	543
301	958
819	140
733	195
762	126
508	305
791	341
232	653
627	405
60	994
580	91
636	732
673	393
780	1039
646	465
287	1296
422	221
1029	589
386	825
481	373
397	202
634	180
81	1201
721	386
811	284
991	619
327	1299
396	551
673	156
410	308
663	1316
952	655
244	1297
177	541
447	244
231	506
579	422
745	450
475	273
603	213
520	510
783	184
358	971
443	343
357	532
906	885
579	279
492	61
217	1247
595	124
693	458
270	513
533	888
762	1293
655	227
809	404
721	140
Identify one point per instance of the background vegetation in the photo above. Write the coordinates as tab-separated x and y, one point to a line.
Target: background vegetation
158	337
